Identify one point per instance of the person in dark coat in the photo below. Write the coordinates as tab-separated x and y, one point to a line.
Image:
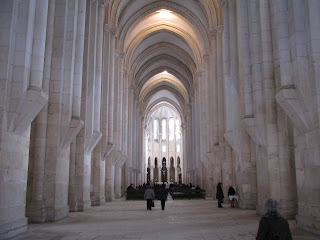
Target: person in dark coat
219	194
231	192
272	225
130	188
149	196
163	196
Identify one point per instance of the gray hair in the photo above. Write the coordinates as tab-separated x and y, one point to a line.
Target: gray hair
271	205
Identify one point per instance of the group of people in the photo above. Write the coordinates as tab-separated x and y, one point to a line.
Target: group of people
272	225
231	194
149	195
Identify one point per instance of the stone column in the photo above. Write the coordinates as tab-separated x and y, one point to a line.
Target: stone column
227	164
98	158
89	136
17	109
117	182
278	149
35	203
210	180
193	132
221	104
110	34
60	131
226	41
109	182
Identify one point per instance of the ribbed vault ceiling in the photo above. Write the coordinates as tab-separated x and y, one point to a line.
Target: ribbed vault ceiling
164	43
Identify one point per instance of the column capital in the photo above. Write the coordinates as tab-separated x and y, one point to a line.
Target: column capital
112	30
213	34
219	28
206	58
122	56
125	73
103	3
224	3
201	73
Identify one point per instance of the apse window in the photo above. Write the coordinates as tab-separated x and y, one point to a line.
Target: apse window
156	129
164	129
164	13
178	148
178	129
164	148
171	129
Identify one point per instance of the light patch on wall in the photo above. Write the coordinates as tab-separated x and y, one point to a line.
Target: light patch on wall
164	149
178	148
164	13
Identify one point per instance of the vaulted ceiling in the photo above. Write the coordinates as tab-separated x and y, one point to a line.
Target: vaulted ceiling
165	43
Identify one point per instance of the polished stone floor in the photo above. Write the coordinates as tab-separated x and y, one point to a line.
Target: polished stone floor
182	219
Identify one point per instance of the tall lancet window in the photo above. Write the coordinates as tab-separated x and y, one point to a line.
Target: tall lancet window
178	129
164	129
171	129
155	129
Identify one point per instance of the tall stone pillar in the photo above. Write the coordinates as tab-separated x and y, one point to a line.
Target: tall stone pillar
221	109
22	98
117	182
89	136
61	128
98	158
229	133
109	182
35	197
110	34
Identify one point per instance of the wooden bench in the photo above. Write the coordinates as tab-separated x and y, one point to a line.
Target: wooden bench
138	194
187	193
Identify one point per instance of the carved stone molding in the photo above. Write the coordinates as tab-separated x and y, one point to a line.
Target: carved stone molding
224	3
103	3
112	30
288	99
107	151
213	34
253	130
93	141
72	131
219	28
122	55
30	104
206	58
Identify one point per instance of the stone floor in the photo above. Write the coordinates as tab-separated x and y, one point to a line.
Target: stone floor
182	219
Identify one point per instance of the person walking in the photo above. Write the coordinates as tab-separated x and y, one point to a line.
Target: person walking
272	225
163	196
219	194
149	196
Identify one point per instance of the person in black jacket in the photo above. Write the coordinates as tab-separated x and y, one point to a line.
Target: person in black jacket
219	194
163	196
231	192
272	225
